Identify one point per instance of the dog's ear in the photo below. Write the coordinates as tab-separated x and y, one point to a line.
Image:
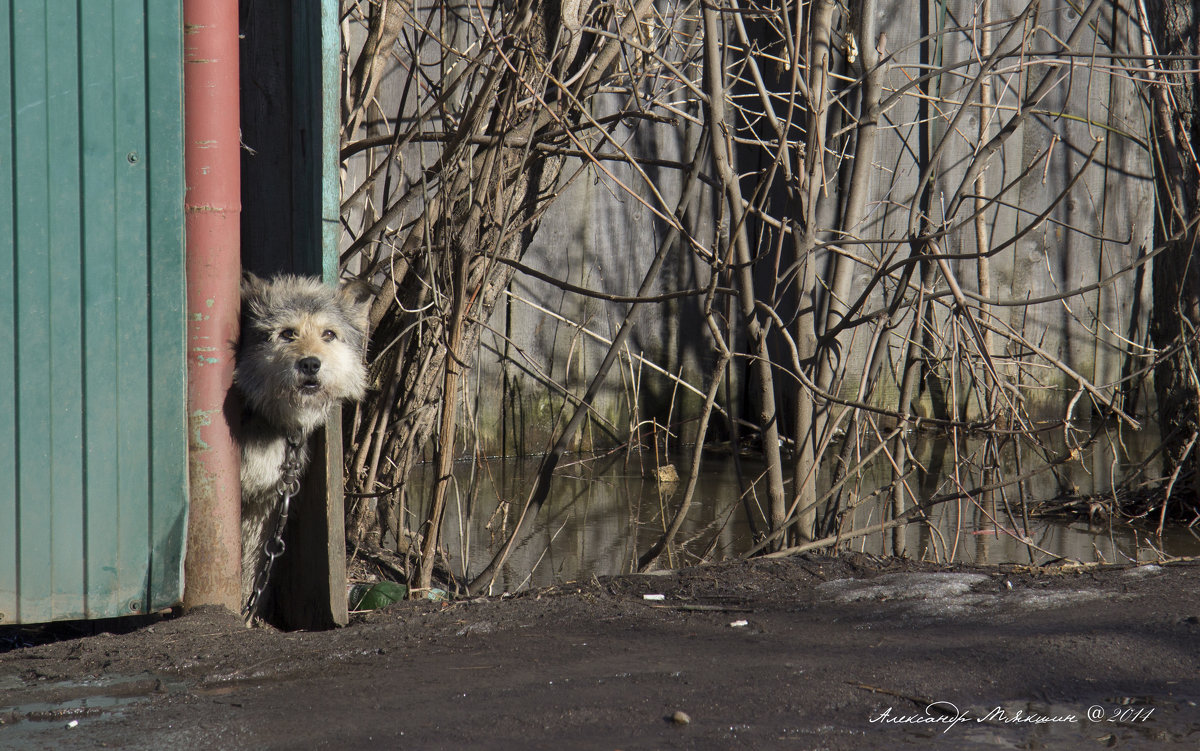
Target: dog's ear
252	285
357	296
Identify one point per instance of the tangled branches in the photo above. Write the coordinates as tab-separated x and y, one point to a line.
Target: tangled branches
858	222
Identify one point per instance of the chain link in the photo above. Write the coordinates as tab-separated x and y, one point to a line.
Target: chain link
287	487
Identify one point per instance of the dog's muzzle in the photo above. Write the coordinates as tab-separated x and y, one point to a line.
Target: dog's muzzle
308	368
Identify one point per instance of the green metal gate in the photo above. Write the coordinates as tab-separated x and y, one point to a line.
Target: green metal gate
93	447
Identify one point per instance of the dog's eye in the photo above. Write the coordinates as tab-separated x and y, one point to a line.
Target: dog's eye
288	335
329	335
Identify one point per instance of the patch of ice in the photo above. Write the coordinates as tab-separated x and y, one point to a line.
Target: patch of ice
903	587
1147	570
940	594
1043	600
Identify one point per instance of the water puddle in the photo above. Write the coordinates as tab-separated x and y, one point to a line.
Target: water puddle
42	712
603	512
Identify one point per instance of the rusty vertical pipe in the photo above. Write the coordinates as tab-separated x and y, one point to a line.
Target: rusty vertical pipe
212	567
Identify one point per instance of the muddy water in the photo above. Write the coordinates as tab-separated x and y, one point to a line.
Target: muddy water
602	512
48	711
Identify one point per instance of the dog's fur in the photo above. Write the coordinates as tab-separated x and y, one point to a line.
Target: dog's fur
300	354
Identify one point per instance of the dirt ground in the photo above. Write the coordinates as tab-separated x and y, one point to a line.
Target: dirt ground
809	653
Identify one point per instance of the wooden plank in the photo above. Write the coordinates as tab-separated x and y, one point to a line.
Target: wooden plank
268	233
331	129
309	583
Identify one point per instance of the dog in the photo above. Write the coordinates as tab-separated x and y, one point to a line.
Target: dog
300	353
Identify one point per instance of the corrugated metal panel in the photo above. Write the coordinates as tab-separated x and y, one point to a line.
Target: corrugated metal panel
93	450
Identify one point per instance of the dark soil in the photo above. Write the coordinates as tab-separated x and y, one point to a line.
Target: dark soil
835	653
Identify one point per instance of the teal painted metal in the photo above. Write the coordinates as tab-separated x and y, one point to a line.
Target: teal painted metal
331	121
316	45
93	446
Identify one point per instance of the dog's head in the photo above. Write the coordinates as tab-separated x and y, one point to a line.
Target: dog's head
301	349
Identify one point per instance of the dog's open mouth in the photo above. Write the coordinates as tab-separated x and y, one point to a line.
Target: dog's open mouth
309	386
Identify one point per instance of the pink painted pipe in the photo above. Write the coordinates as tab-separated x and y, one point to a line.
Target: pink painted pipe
213	210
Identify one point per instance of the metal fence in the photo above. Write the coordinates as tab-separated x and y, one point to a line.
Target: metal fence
93	442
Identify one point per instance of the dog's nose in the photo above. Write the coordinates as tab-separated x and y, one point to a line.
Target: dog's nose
308	366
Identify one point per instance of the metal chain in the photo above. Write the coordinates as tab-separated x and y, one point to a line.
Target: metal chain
287	487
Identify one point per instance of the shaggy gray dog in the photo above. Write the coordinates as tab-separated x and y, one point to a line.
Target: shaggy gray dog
300	354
